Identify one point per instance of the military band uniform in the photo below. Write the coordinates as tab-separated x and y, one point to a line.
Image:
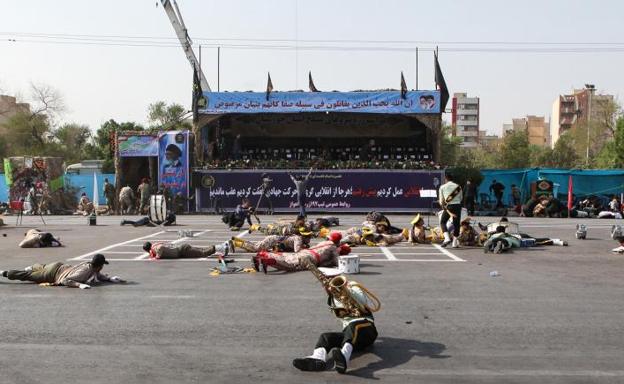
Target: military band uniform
292	243
324	254
450	200
357	334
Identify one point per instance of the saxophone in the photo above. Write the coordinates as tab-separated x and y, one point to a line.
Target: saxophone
338	288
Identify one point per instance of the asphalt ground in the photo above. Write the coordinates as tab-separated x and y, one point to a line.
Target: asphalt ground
553	315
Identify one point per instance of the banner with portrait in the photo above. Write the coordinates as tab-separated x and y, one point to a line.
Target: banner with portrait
173	162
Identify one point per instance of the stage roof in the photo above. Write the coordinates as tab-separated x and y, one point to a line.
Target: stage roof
382	102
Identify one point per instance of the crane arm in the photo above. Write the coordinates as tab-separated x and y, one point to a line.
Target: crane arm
175	17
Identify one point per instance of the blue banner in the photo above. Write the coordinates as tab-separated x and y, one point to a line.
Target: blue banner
327	190
173	162
389	102
137	146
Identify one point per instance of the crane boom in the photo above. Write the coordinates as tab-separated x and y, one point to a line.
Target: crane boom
175	17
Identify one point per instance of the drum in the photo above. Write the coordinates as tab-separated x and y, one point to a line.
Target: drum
158	208
349	264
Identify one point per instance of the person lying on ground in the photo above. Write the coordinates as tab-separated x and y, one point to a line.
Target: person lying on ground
283	227
500	241
468	236
181	251
290	243
514	229
235	220
82	276
170	219
324	254
34	238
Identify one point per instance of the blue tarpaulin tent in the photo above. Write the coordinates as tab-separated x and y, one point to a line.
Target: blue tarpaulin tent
585	182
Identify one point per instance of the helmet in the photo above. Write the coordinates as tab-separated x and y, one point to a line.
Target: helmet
344	249
335	237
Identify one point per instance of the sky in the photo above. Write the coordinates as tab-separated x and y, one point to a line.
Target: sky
572	42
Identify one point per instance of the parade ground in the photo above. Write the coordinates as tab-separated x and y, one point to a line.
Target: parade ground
552	315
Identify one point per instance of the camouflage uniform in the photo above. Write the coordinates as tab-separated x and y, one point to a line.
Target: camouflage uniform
109	193
468	236
324	254
145	192
182	251
292	243
126	198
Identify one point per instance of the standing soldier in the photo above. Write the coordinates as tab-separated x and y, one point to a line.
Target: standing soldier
144	191
301	183
126	200
450	200
109	193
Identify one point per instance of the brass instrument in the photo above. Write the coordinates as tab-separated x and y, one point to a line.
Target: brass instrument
338	288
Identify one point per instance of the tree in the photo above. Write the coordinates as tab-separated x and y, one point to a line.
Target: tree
515	151
612	154
167	117
73	140
449	147
100	146
564	154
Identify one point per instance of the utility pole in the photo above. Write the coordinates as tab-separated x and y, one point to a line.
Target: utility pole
417	68
591	88
219	69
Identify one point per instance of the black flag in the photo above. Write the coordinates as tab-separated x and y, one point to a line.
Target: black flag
269	87
403	87
198	98
311	83
440	83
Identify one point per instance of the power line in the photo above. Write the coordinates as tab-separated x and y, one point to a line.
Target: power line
356	41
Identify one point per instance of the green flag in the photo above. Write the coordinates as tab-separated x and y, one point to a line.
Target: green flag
8	172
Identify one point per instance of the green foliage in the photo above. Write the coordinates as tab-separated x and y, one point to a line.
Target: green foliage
449	147
515	151
165	117
101	145
612	154
463	174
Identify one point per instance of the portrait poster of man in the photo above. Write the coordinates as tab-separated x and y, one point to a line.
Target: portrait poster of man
173	162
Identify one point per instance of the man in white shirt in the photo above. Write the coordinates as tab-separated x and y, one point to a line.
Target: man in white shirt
450	198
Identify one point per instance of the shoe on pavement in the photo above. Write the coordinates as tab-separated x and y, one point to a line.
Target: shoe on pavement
445	243
309	364
340	363
619	249
455	243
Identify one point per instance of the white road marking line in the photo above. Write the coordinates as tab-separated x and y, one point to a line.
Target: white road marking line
101	250
447	253
123	253
387	253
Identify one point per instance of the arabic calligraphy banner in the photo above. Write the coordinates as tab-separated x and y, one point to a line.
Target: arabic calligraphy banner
294	102
340	190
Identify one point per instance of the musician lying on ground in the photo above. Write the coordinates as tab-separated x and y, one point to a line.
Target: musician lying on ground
290	243
514	229
324	254
353	305
34	238
235	220
181	251
170	219
366	236
80	276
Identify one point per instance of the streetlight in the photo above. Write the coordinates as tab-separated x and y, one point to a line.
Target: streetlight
591	88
